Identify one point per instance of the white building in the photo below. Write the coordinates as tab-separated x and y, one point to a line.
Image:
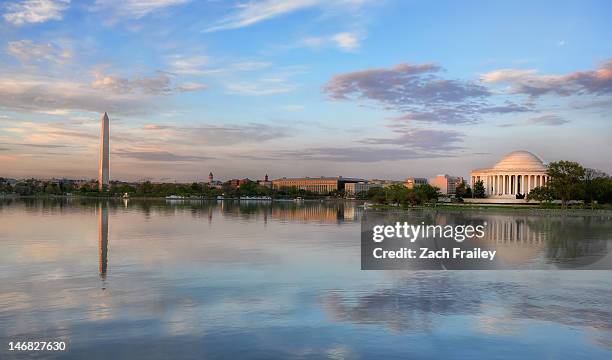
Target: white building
446	183
516	173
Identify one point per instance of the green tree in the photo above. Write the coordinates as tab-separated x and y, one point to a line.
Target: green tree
377	195
594	185
541	194
565	180
248	188
396	194
479	189
427	193
362	195
463	191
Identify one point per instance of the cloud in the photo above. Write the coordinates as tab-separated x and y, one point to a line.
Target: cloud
43	146
105	92
35	11
23	93
28	51
253	12
134	9
506	75
547	120
402	85
363	154
211	135
199	65
191	86
409	143
188	65
421	139
269	84
446	115
529	82
157	155
420	93
508	107
346	41
259	88
159	83
414	89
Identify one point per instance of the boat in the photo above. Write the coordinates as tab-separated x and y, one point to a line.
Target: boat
255	198
174	197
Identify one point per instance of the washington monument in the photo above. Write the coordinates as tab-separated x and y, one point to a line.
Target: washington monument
103	164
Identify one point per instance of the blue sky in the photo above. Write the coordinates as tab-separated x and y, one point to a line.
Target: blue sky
384	89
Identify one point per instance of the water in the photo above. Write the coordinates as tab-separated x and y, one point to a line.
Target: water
157	280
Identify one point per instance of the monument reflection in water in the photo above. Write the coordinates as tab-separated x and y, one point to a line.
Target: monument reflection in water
103	238
283	281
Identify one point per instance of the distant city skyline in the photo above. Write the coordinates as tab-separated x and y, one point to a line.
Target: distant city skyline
293	88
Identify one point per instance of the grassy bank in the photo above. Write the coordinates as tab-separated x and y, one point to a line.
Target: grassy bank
533	209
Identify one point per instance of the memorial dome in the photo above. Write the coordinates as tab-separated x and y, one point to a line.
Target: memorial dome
520	160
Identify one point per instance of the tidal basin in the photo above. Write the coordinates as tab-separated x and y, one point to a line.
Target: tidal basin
260	280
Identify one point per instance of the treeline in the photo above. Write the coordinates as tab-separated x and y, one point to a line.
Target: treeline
33	187
149	189
399	194
571	181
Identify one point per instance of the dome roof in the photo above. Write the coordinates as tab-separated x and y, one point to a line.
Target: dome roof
520	160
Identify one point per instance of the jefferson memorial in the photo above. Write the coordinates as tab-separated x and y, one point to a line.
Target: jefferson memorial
515	174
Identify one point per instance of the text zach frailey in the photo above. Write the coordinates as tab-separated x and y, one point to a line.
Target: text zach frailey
412	232
425	253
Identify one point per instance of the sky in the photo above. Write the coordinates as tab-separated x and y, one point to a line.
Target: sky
359	88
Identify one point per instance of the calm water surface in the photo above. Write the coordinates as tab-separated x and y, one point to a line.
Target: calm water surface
157	280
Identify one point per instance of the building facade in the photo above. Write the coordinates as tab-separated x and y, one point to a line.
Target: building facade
515	174
352	189
237	182
321	185
411	182
212	183
265	182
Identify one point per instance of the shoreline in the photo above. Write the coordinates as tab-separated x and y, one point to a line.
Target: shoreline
528	208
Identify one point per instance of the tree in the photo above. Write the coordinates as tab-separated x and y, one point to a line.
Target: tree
376	194
427	192
396	194
463	190
248	188
594	185
479	189
565	179
362	195
541	194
